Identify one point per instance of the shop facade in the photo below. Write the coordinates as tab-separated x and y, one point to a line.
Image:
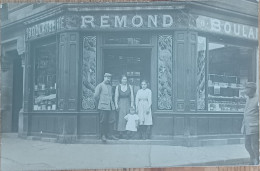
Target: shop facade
195	60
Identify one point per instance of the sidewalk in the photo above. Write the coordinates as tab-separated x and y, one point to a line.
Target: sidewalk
20	154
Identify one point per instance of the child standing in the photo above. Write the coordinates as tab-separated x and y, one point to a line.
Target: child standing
132	123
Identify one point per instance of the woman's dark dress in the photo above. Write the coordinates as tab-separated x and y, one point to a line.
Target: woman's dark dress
124	103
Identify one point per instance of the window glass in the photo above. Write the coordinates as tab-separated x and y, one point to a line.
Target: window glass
129	40
45	77
229	68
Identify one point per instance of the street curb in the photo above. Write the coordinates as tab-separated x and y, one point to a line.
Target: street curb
180	142
185	142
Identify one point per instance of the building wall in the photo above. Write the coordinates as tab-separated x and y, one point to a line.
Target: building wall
23	10
6	99
183	120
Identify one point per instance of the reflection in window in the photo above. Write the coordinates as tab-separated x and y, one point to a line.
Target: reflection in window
201	71
229	69
45	78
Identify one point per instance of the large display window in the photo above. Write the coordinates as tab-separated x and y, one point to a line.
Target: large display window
45	85
222	71
229	68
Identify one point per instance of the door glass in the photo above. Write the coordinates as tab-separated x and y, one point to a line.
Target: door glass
135	63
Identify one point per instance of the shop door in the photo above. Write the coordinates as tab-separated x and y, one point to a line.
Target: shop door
134	63
17	91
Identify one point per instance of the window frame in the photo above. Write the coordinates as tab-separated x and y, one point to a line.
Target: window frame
227	41
34	45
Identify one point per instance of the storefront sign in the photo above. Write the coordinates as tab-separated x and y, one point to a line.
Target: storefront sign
40	29
141	21
108	21
130	21
45	27
225	27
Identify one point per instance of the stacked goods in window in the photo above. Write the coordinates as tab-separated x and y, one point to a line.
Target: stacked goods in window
230	66
224	93
45	97
45	79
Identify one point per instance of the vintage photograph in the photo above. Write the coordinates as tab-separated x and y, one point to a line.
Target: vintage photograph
94	85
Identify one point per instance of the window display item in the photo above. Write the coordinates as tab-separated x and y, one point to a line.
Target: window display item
228	71
45	77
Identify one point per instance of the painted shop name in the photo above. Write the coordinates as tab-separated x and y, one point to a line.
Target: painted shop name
45	27
144	21
124	21
225	27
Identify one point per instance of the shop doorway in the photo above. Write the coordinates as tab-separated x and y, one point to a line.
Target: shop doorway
11	91
133	62
17	99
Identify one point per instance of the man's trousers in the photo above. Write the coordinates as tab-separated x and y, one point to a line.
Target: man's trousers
107	122
252	146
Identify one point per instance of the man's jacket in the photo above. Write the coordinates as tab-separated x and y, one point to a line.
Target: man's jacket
250	123
103	97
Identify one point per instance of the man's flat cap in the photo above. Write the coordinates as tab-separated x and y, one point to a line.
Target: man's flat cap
107	75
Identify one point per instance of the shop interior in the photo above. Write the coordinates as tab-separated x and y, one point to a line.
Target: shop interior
229	69
134	63
45	77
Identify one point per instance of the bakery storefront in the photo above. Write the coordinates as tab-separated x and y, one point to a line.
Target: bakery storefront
195	63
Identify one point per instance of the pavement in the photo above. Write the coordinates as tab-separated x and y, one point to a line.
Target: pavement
23	154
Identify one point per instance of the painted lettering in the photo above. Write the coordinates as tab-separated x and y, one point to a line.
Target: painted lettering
244	31
120	22
227	27
152	19
87	20
236	29
215	25
104	21
167	21
136	19
251	33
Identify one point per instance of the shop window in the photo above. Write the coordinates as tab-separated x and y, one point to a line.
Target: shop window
127	40
201	73
229	68
45	77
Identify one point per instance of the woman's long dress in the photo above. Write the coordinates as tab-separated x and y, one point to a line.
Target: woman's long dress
124	104
143	101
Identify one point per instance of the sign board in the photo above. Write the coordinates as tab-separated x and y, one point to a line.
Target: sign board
128	21
141	21
43	28
204	23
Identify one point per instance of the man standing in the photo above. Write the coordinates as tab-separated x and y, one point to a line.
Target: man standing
106	107
250	125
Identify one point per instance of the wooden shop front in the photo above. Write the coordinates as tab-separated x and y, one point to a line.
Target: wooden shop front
195	63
